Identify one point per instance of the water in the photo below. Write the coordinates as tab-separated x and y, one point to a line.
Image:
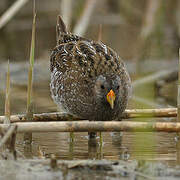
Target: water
122	27
158	147
115	146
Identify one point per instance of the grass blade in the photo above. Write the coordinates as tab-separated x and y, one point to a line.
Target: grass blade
31	66
7	100
29	115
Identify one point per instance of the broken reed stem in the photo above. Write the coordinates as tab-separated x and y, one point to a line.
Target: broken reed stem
10	130
100	33
178	96
7	100
94	126
129	113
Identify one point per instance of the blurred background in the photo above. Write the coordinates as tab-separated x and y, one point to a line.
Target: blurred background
145	33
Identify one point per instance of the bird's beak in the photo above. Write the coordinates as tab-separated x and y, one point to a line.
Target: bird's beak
111	98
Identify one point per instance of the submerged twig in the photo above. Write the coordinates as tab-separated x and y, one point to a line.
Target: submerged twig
8	15
129	113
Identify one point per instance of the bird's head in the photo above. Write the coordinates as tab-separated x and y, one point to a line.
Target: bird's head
107	90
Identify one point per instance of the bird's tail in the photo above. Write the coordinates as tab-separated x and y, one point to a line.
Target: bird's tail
60	29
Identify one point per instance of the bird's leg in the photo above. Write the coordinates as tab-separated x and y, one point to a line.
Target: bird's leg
92	146
92	135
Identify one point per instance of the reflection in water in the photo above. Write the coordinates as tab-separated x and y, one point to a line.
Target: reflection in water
92	148
127	145
100	152
178	148
115	146
71	145
122	152
28	151
28	145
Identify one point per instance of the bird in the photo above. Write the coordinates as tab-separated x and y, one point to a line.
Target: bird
89	80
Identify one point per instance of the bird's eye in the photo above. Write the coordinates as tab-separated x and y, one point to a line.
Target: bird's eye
117	87
102	86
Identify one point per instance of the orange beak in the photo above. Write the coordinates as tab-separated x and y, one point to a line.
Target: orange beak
111	98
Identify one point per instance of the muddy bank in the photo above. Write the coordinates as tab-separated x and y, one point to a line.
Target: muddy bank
85	169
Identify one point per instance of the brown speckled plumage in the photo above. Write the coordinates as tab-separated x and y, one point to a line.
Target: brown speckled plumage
83	72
